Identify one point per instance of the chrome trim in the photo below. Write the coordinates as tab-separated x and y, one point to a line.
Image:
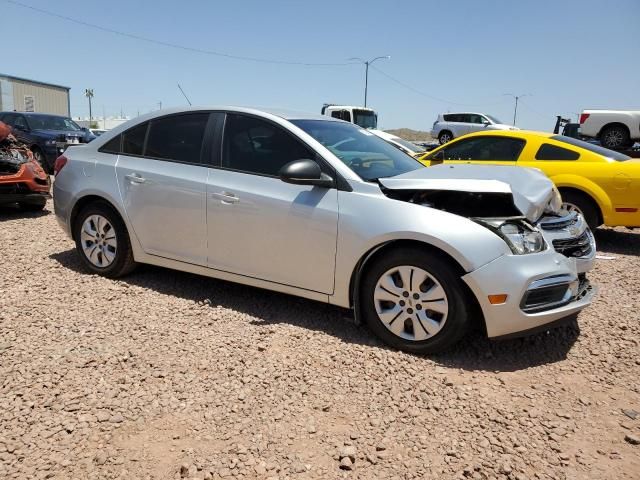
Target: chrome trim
551	281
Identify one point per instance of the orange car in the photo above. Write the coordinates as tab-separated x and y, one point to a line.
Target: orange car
22	179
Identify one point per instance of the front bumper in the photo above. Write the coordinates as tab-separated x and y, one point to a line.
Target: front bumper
517	276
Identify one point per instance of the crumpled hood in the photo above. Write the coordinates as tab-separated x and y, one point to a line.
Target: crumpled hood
530	189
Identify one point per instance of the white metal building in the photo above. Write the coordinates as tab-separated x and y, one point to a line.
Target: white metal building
24	95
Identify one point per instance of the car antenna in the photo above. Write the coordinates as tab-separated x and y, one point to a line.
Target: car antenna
185	95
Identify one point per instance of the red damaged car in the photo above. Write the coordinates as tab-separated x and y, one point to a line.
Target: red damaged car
22	179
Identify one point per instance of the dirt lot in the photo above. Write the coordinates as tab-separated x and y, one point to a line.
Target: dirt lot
169	375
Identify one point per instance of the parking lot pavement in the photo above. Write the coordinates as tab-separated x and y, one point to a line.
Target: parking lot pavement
168	375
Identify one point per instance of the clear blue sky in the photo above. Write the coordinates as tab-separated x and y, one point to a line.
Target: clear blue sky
568	55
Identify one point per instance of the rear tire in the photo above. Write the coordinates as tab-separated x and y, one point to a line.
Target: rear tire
102	241
583	204
614	137
445	136
429	324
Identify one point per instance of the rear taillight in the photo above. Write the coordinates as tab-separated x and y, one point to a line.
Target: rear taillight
583	117
61	161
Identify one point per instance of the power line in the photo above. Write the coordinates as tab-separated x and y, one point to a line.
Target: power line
415	90
173	45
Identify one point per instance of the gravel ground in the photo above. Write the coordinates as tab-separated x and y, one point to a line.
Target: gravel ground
168	375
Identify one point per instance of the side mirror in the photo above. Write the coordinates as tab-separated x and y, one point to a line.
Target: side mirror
84	129
22	128
305	172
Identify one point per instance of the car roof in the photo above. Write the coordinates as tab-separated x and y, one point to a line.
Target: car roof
284	113
509	133
33	114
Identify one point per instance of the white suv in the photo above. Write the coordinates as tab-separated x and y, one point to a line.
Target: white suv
453	125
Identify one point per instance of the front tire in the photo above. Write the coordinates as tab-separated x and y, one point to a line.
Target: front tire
583	204
102	241
415	301
33	206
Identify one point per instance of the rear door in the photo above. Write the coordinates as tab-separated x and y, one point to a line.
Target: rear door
481	150
162	175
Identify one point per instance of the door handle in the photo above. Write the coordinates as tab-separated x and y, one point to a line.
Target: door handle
135	178
225	197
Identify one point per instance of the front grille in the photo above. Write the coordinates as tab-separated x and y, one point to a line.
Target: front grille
543	298
574	247
558	223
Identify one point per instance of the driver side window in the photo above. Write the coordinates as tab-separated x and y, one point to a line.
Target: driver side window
483	148
253	145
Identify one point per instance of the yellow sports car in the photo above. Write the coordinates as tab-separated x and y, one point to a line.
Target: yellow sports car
602	184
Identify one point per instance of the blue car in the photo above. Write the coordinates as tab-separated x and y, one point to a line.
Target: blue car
46	135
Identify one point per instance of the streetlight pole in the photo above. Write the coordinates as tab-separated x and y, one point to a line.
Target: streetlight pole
366	72
88	92
515	110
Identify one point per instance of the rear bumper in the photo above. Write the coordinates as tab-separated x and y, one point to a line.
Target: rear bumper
516	276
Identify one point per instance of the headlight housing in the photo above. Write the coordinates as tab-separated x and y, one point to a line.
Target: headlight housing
50	142
519	235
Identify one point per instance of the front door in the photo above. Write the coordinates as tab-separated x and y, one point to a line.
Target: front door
163	183
261	227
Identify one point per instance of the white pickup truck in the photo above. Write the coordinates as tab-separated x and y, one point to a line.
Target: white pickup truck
617	129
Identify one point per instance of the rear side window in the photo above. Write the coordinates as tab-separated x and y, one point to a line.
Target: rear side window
551	152
178	137
620	157
133	140
112	146
453	117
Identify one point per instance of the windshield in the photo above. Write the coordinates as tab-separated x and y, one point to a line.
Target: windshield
48	122
408	145
493	119
367	155
365	118
605	152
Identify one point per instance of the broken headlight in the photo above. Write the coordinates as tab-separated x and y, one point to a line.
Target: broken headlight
519	235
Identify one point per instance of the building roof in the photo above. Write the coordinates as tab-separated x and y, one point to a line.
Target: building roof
13	77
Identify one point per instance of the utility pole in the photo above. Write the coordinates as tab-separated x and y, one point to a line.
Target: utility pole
366	71
515	110
160	105
88	92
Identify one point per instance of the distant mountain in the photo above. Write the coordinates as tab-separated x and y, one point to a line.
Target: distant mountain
411	135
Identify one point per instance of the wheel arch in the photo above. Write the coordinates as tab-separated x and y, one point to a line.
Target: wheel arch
87	200
596	194
373	253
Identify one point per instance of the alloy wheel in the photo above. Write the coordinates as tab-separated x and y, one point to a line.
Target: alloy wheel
570	207
98	240
411	303
613	138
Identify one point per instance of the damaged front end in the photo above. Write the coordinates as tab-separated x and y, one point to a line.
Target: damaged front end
22	179
520	205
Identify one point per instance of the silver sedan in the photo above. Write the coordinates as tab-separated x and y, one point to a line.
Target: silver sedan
325	210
